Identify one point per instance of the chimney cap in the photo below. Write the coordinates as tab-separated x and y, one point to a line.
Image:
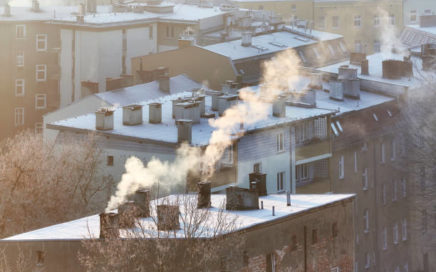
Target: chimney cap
133	107
105	111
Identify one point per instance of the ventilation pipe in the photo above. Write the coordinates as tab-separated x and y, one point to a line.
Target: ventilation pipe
155	113
132	115
104	119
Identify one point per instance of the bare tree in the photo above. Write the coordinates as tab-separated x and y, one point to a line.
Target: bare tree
207	240
42	183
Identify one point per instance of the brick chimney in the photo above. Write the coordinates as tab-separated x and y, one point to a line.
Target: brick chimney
132	115
104	119
184	131
109	227
203	195
155	113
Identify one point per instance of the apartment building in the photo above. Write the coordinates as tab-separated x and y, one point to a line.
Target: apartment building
416	35
414	9
312	233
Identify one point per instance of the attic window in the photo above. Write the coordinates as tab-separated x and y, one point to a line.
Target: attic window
389	113
332	51
375	116
339	126
335	131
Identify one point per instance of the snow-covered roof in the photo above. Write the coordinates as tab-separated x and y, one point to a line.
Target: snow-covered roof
45	13
87	227
430	30
148	91
267	44
167	130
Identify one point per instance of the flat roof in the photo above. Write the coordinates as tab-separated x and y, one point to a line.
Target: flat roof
268	44
87	227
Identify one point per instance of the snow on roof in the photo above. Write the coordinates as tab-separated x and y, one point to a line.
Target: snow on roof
167	130
148	91
87	227
267	44
45	13
430	30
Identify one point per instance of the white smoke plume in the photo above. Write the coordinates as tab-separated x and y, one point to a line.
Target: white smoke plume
388	34
280	72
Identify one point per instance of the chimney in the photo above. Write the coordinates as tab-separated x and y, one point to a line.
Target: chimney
428	56
142	200
132	115
316	81
258	183
246	38
80	19
351	88
229	87
127	213
185	42
215	95
109	227
364	67
175	102
357	58
396	69
336	91
427	21
35	6
168	217
164	83
188	110
91	6
200	99
345	72
279	107
203	195
225	102
104	119
241	199
155	113
184	131
7	10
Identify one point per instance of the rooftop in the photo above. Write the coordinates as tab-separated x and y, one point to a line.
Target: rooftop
87	227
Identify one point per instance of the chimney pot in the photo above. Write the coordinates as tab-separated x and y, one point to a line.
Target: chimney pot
132	115
104	119
155	113
188	110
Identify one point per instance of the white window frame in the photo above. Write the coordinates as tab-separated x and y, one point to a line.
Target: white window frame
20	84
39	127
41	68
280	142
385	238
357	22
40	98
17	31
280	181
377	46
365	179
227	157
341	167
355	162
41	38
19	116
395	234
366	221
20	59
404	229
413	14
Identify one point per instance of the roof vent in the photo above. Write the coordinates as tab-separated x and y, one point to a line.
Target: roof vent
336	91
109	227
188	110
258	183
246	38
104	119
184	131
225	102
241	199
155	113
203	195
168	217
132	115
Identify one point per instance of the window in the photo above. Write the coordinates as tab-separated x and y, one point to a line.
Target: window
293	243
280	181
314	236
303	173
375	116
358	46
20	59
332	51
413	16
384	194
227	158
394	190
40	256
38	128
280	142
376	20
392	19
404	187
357	21
20	31
382	153
385	238
427	12
334	229
395	234
338	124
365	179
393	150
19	117
404	229
150	32
110	160
355	161
341	167
257	167
334	129
41	42
321	23
377	46
315	51
335	21
19	87
40	101
367	260
366	221
41	72
293	8
301	54
271	262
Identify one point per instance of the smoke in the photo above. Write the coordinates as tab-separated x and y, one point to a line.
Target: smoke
279	73
389	40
